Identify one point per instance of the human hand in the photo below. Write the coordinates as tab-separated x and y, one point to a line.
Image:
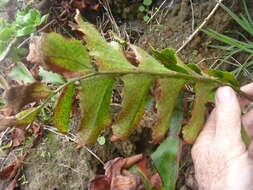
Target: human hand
221	160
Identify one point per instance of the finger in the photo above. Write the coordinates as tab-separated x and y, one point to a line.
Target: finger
250	150
247	120
209	128
248	89
228	116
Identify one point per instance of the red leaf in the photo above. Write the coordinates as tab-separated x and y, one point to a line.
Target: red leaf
156	181
14	183
116	177
10	171
100	182
17	137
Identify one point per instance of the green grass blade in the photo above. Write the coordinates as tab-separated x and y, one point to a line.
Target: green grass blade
228	40
247	12
238	19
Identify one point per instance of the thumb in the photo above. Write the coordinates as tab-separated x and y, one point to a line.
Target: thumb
228	116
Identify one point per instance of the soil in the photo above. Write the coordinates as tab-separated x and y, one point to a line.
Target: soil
56	164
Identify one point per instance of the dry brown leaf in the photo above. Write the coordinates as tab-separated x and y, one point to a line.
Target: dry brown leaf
142	167
19	96
6	122
37	134
130	161
154	180
14	182
17	137
100	182
11	170
131	57
114	167
117	177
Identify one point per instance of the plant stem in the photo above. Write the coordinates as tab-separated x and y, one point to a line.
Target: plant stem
8	49
170	74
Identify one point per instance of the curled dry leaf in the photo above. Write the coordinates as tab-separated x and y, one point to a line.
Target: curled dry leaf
131	57
100	182
19	96
129	162
116	177
7	122
11	170
17	137
154	180
14	183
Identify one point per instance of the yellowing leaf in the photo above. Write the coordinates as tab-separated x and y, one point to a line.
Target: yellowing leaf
95	99
22	118
39	91
60	55
193	128
166	95
108	58
135	96
27	116
63	108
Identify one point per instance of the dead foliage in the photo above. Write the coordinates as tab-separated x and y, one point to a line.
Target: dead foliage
118	177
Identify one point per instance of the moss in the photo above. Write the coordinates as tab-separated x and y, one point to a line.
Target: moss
55	163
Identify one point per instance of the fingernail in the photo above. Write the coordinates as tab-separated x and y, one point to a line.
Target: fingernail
224	94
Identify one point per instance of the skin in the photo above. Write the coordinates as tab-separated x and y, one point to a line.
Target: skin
221	160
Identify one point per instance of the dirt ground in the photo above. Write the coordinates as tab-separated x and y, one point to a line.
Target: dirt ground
55	164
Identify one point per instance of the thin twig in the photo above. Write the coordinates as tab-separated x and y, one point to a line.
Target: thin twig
110	15
3	134
7	50
193	19
200	26
152	16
